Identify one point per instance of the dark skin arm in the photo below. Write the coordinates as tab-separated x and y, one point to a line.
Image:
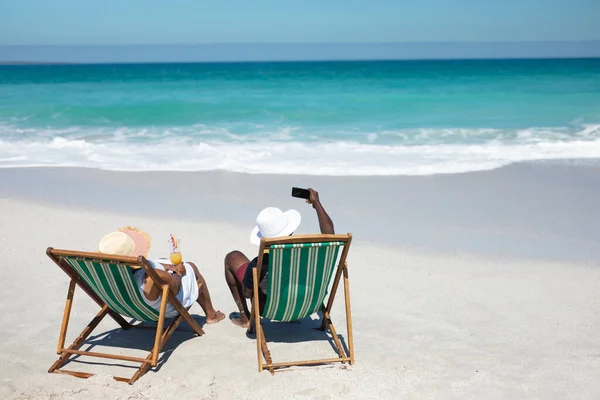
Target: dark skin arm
152	292
325	222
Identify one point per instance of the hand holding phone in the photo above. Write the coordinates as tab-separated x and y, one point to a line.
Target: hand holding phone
300	193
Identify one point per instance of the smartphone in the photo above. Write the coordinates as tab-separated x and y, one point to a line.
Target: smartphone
300	193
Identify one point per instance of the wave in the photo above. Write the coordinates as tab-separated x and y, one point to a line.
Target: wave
281	153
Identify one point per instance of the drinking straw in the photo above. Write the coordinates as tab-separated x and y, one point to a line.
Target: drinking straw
172	242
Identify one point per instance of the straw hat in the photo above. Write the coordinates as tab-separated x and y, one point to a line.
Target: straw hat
140	238
272	222
128	241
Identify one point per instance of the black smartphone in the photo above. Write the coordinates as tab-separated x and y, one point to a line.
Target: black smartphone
300	193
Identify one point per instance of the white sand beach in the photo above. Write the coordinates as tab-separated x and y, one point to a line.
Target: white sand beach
472	286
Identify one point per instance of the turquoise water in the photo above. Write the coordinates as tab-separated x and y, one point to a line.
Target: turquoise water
330	118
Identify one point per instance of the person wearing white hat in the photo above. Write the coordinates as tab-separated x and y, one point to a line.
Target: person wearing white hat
184	279
271	222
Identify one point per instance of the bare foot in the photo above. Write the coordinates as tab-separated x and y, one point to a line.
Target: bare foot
218	316
241	321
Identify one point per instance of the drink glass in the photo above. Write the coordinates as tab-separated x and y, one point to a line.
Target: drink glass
175	255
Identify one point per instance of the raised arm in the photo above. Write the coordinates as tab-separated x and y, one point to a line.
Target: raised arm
325	222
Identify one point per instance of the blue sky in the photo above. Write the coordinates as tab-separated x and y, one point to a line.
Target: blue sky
154	22
305	21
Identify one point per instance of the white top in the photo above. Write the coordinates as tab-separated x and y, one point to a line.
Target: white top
187	295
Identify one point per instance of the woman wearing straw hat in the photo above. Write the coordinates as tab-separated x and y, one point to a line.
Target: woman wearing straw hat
271	222
184	279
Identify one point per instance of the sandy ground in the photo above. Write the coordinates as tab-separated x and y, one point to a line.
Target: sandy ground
430	321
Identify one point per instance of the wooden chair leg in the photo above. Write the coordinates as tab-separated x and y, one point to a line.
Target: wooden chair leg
142	370
335	337
160	326
62	360
66	315
348	315
334	287
252	323
328	323
265	350
164	338
169	332
256	314
185	314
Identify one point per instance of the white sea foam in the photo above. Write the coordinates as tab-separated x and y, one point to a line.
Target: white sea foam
148	149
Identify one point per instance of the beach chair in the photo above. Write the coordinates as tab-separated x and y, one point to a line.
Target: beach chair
109	281
300	272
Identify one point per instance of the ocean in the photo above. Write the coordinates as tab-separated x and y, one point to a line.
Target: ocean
320	118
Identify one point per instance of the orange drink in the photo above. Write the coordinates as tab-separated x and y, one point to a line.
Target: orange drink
175	250
176	258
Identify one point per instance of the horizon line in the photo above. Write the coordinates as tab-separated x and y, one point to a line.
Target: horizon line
299	43
48	63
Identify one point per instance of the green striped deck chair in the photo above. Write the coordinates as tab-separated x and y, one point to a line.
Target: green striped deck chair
301	269
109	281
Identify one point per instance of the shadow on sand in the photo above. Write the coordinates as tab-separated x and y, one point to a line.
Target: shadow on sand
304	330
139	338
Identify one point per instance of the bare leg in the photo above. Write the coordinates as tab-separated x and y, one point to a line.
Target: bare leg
233	261
212	316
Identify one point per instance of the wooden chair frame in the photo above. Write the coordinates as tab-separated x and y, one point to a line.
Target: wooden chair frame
161	338
340	271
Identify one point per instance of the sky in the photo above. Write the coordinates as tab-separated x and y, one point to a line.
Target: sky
186	22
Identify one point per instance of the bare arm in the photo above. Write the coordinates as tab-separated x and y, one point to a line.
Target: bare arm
152	292
173	280
325	222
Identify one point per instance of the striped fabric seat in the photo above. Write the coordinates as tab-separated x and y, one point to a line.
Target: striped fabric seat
114	284
299	276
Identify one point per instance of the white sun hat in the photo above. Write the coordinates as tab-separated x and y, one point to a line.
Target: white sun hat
117	243
272	222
